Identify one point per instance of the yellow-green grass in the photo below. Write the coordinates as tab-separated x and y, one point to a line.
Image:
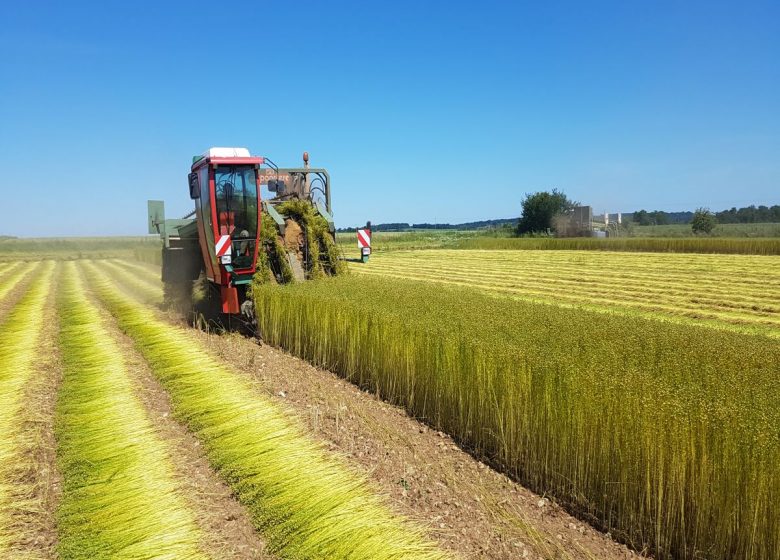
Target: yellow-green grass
72	245
746	246
120	497
307	503
408	240
666	434
20	334
66	248
740	292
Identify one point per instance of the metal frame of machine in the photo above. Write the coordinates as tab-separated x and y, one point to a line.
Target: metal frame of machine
213	238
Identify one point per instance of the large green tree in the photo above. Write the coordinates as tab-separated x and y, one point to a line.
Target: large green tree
539	210
703	221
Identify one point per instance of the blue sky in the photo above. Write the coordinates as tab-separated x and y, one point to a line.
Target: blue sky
421	111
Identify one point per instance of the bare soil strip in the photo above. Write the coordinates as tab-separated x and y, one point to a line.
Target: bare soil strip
227	528
470	508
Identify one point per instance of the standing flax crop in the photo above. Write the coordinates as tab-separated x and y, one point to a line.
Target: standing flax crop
738	292
120	498
19	336
307	504
652	245
667	435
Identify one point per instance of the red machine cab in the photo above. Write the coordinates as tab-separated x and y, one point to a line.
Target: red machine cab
228	218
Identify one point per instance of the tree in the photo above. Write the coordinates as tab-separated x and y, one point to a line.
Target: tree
703	221
654	218
539	210
749	215
642	218
659	218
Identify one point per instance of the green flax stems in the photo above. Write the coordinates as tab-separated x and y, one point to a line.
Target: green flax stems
20	334
120	498
665	434
306	502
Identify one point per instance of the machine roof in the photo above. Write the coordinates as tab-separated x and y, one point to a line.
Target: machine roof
226	156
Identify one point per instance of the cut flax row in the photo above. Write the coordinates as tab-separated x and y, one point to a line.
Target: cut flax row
140	271
19	336
151	293
12	276
668	435
307	503
120	498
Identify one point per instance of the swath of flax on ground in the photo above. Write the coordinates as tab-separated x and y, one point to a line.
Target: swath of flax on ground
226	524
120	497
45	482
13	284
20	334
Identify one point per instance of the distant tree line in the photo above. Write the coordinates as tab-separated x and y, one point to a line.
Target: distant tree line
747	215
750	215
659	217
393	226
539	210
482	224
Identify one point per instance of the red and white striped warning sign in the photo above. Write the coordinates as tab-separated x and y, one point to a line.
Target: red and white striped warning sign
364	238
223	246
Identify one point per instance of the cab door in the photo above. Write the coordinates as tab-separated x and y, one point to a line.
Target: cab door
204	206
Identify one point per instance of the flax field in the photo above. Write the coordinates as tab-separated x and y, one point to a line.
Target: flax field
636	390
641	390
114	487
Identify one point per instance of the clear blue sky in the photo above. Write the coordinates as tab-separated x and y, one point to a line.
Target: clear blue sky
421	111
